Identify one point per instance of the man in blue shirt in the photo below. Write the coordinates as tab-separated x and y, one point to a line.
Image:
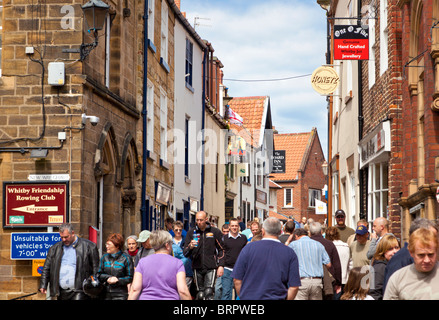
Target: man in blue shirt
312	256
267	269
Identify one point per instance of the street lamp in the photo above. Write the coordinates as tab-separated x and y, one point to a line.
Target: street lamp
95	14
325	4
325	168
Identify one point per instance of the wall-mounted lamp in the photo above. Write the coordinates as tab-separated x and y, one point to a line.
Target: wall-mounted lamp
325	4
95	14
325	168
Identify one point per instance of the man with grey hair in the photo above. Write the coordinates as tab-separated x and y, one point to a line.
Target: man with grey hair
312	257
315	230
267	269
403	258
380	228
68	263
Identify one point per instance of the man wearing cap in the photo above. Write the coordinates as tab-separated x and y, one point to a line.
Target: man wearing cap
145	248
360	247
345	231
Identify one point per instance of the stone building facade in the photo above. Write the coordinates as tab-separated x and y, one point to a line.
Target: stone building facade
45	137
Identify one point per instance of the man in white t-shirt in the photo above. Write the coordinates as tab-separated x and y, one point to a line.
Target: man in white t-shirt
420	280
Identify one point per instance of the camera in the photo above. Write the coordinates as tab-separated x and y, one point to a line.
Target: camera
93	119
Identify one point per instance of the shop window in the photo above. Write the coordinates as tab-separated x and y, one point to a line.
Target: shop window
378	191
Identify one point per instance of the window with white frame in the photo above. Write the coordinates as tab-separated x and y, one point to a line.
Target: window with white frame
151	10
352	200
163	125
371	63
384	37
189	62
378	190
164	32
288	197
150	117
314	194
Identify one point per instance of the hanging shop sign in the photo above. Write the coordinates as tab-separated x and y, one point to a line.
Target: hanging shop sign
351	42
375	147
278	160
162	193
27	204
325	80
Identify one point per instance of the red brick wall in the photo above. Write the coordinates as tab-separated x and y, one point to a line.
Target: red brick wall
383	102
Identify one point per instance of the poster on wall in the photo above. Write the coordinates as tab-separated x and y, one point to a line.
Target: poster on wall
34	204
351	42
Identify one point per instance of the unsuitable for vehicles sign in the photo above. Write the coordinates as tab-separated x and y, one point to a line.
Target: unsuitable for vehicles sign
34	204
32	245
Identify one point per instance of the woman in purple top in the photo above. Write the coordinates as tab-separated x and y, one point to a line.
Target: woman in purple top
160	276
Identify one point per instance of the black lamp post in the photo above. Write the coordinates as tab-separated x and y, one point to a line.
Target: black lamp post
95	14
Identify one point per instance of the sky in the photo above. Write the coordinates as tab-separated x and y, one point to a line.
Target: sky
266	40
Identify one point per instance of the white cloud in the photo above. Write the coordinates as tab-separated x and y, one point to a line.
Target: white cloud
269	40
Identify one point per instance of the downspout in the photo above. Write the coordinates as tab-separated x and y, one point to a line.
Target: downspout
143	209
203	103
360	120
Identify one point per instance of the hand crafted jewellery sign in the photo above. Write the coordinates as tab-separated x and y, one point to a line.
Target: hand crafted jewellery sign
351	43
33	204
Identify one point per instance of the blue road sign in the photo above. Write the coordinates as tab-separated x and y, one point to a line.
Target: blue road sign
32	245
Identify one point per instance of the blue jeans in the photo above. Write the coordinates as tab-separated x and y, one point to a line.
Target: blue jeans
227	284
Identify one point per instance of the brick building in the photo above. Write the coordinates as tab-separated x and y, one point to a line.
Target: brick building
420	87
372	183
380	144
303	180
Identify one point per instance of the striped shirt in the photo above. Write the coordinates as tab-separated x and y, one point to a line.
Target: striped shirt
312	256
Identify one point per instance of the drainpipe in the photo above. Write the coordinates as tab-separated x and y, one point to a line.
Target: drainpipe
360	122
203	103
144	209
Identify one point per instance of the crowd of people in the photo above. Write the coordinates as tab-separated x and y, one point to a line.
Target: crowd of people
269	261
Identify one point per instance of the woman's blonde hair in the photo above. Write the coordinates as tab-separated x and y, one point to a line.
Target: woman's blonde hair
388	242
159	238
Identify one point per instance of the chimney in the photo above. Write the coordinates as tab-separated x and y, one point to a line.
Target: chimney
177	2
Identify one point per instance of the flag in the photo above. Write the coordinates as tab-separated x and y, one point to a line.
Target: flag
234	117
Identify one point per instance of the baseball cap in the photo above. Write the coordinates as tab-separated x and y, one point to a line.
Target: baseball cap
340	213
361	230
143	236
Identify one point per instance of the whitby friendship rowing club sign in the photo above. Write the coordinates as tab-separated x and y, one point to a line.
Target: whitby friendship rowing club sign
351	43
42	204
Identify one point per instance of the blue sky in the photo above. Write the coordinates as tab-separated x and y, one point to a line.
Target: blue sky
275	39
